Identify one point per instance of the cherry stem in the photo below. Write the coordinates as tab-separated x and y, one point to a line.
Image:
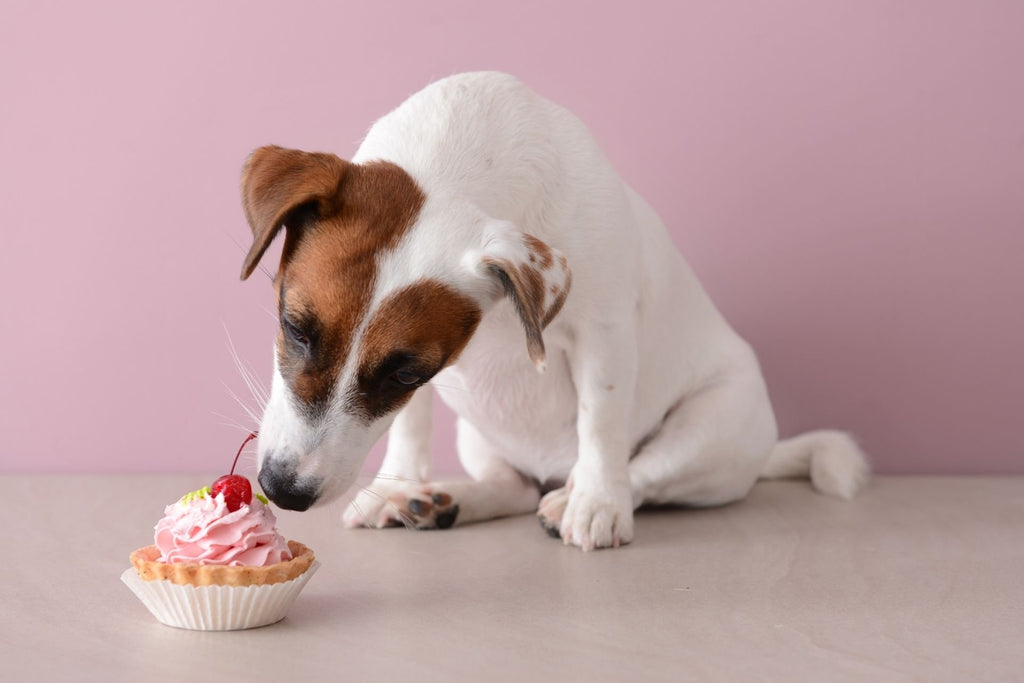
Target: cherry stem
249	438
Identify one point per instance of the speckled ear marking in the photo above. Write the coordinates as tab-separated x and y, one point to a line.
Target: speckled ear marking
536	278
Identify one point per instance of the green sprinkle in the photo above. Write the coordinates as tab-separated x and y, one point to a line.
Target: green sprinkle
263	499
195	495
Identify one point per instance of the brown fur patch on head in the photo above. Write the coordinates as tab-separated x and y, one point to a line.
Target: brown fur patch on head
420	330
329	266
286	186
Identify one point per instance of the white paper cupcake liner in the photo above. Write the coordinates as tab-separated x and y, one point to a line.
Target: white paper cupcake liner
217	608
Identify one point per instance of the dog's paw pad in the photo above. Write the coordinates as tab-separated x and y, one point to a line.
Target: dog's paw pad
419	508
428	510
447	518
408	504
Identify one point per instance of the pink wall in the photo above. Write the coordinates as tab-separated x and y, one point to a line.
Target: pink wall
848	179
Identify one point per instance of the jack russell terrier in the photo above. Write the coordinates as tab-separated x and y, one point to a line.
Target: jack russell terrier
480	244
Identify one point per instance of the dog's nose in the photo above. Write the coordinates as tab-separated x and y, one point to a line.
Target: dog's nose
283	487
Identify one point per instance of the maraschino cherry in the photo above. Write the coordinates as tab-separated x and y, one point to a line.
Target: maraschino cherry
236	489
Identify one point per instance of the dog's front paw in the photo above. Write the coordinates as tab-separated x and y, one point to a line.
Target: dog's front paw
588	517
388	504
552	509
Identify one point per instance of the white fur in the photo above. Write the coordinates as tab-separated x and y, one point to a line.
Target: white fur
647	394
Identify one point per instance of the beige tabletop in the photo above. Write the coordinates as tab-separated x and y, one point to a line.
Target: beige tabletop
917	579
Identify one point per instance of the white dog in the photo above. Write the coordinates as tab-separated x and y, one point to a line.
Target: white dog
480	244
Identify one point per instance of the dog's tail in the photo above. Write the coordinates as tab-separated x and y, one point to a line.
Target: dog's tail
832	460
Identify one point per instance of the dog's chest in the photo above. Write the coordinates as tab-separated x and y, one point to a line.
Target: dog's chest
530	417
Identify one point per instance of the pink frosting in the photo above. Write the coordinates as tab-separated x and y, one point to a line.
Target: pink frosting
203	530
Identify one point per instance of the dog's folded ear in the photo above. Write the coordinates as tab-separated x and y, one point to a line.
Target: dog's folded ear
281	186
532	274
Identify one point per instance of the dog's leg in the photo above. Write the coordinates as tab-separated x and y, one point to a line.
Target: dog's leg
402	494
406	462
598	511
496	489
710	449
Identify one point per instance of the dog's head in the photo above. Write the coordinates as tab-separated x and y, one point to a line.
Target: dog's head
378	290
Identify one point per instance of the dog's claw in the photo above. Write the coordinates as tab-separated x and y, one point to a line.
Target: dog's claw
592	528
550	511
549	528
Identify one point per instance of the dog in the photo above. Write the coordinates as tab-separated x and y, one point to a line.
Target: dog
480	245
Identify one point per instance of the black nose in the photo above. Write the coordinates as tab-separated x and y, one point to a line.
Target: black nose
282	486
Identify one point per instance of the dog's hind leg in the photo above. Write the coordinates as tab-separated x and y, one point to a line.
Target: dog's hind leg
713	447
710	448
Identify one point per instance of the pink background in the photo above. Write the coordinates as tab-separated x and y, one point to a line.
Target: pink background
846	177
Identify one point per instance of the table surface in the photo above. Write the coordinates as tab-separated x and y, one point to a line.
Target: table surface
919	578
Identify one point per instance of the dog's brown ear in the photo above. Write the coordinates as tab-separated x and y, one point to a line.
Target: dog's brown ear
533	275
278	183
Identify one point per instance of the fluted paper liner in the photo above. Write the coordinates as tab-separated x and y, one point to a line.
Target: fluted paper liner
240	600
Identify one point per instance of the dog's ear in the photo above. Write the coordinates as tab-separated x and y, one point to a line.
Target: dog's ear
533	275
279	185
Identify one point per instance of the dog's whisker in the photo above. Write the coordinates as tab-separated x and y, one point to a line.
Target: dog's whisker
362	515
448	386
249	375
253	389
405	519
242	403
245	250
252	413
248	411
228	422
256	387
259	393
396	477
238	244
249	461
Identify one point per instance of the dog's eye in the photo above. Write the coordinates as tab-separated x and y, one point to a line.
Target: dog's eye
294	333
406	377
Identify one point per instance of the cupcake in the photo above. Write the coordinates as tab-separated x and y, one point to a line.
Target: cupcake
218	562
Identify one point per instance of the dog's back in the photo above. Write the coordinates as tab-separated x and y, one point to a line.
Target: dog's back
485	138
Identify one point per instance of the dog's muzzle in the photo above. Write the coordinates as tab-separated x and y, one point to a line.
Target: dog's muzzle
281	484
